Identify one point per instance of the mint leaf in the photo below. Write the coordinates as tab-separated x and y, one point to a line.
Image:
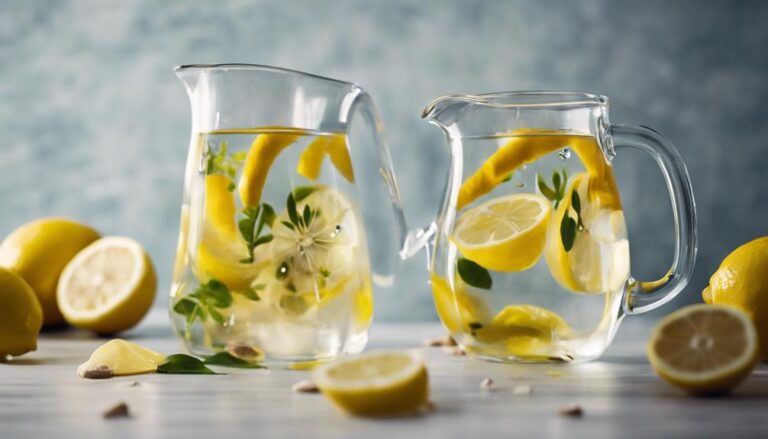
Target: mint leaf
567	232
227	360
251	294
303	192
473	274
290	206
185	307
544	189
576	202
184	364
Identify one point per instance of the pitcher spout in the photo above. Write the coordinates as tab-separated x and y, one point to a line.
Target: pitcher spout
446	110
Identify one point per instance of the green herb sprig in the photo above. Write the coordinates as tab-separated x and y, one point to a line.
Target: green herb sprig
556	192
219	162
252	225
204	302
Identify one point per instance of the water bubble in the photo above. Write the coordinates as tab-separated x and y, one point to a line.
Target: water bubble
520	184
337	228
564	154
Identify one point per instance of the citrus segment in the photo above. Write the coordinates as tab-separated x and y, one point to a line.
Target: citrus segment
119	357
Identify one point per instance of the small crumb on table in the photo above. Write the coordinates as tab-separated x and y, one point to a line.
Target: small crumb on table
120	410
572	410
305	386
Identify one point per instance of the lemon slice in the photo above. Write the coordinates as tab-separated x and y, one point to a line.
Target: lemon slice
108	287
598	260
704	349
375	384
506	233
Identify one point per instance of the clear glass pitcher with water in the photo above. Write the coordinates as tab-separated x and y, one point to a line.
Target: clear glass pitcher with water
530	256
272	255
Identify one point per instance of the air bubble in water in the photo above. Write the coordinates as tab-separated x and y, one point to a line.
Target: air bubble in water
520	184
564	154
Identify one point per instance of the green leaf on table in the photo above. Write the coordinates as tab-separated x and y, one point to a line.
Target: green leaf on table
184	364
473	274
228	360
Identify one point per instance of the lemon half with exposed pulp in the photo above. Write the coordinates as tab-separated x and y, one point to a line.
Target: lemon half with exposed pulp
108	287
375	384
704	349
506	233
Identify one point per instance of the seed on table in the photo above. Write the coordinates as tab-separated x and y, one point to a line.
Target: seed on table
486	384
440	341
305	386
118	411
573	411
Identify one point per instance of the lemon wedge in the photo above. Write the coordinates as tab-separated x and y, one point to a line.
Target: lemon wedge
108	287
119	357
262	153
524	330
21	316
334	146
598	260
38	252
457	308
375	384
704	349
506	233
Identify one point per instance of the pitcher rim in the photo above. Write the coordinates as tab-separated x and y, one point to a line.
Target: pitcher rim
247	66
547	99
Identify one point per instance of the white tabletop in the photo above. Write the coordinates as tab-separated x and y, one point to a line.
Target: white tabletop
42	397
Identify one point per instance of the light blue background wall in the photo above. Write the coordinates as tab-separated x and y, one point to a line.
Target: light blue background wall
94	125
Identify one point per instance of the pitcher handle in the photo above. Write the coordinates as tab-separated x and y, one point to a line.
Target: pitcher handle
645	296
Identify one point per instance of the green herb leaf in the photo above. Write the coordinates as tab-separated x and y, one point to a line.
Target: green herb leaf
184	364
544	189
217	293
303	192
475	326
307	214
576	202
507	178
227	360
568	232
291	208
556	181
473	274
268	214
262	240
287	224
185	307
251	294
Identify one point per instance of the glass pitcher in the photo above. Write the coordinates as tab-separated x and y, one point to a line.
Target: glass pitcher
272	257
531	254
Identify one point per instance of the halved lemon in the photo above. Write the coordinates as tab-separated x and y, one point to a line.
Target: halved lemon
506	233
598	259
375	384
108	287
524	330
704	349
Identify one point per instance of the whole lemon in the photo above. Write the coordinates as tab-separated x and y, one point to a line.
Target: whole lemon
38	252
20	315
742	281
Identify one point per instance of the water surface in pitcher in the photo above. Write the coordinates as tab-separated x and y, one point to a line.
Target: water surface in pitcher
272	252
534	264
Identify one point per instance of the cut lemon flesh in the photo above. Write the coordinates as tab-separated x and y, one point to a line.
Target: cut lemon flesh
119	357
108	287
506	233
598	260
380	383
704	349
